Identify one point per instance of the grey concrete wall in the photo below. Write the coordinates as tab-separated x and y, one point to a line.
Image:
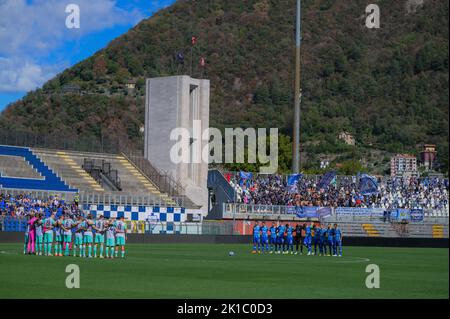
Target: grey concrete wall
167	107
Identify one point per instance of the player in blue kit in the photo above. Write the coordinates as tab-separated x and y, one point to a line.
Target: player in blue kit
273	238
289	239
323	241
308	238
280	239
316	238
337	241
264	238
330	240
256	238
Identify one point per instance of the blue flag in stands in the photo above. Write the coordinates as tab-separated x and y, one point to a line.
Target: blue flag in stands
244	176
293	182
368	185
326	179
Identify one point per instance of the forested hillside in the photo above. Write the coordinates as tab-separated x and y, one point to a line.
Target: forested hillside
388	87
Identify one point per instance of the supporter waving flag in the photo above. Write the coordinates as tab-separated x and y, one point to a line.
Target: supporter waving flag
326	179
243	177
292	183
368	185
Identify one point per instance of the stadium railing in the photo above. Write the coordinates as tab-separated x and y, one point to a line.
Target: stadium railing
63	141
38	194
95	198
165	182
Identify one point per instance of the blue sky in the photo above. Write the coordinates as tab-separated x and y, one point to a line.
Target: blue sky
35	43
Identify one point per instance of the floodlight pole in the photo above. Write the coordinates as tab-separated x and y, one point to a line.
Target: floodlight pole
297	96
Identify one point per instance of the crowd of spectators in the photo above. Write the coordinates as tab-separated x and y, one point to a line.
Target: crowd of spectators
426	193
21	205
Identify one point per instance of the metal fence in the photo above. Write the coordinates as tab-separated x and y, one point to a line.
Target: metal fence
164	181
250	209
184	228
38	194
95	198
64	141
176	228
237	210
132	150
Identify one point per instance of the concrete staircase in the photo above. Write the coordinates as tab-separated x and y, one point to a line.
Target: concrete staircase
69	169
370	230
438	231
68	165
144	180
374	228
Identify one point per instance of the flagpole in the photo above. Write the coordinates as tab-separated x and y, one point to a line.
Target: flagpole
192	50
297	96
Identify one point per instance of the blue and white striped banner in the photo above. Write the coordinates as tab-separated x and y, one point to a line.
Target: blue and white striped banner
164	214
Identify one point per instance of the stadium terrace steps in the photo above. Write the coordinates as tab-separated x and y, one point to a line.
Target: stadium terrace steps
148	184
438	231
386	229
49	181
69	165
365	229
16	166
370	230
69	170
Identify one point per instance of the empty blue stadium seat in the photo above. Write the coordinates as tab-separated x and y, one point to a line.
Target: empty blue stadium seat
51	181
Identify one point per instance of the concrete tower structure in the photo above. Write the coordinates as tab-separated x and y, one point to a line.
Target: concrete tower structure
176	102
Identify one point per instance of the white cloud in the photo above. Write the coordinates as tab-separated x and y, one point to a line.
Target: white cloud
30	31
40	25
17	75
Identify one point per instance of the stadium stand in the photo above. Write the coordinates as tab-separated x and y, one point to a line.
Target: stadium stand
69	165
16	166
425	193
50	180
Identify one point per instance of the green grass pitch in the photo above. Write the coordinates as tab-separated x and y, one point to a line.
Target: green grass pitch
207	271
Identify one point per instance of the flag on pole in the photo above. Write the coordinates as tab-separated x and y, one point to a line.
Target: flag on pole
180	57
326	179
368	185
292	183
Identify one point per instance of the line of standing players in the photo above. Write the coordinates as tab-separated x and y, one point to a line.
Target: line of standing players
281	239
88	233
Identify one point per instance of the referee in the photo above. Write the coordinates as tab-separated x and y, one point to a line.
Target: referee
298	239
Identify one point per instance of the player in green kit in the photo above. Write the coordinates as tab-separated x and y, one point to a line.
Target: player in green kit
66	226
39	234
99	240
110	243
58	236
121	229
88	236
78	242
49	223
